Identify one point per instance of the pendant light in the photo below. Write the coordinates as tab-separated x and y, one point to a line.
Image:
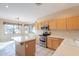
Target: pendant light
18	22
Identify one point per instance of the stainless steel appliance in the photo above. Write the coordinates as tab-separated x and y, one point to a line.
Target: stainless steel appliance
43	36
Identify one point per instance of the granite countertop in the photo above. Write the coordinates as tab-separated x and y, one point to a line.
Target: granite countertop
21	39
56	36
69	47
5	44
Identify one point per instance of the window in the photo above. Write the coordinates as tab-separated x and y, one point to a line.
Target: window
28	28
12	29
17	29
8	29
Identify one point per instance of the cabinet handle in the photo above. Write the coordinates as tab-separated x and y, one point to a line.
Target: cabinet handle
26	46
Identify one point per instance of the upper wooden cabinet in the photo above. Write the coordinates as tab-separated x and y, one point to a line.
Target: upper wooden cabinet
73	23
46	22
61	24
52	24
38	25
67	23
41	23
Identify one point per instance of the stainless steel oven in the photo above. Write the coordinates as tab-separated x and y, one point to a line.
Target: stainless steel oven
43	36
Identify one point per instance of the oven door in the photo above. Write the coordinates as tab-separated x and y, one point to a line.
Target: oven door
43	38
43	41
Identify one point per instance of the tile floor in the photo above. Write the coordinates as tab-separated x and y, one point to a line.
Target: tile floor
41	51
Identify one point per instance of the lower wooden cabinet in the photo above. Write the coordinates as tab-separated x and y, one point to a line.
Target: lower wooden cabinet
49	42
26	48
53	43
37	40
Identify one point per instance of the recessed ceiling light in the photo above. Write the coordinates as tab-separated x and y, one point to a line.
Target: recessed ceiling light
6	6
38	4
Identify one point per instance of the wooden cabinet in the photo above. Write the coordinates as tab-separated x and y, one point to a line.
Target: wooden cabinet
26	48
52	24
46	22
37	39
53	43
36	26
67	23
61	24
73	23
78	22
50	42
41	23
30	48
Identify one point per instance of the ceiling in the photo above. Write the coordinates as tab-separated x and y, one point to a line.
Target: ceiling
30	12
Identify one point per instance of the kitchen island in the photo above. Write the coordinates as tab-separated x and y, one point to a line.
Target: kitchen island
25	46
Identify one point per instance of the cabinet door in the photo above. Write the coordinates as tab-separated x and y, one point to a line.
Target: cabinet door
30	51
50	42
30	48
72	23
55	43
39	25
36	26
46	22
61	24
42	23
78	22
37	40
52	24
